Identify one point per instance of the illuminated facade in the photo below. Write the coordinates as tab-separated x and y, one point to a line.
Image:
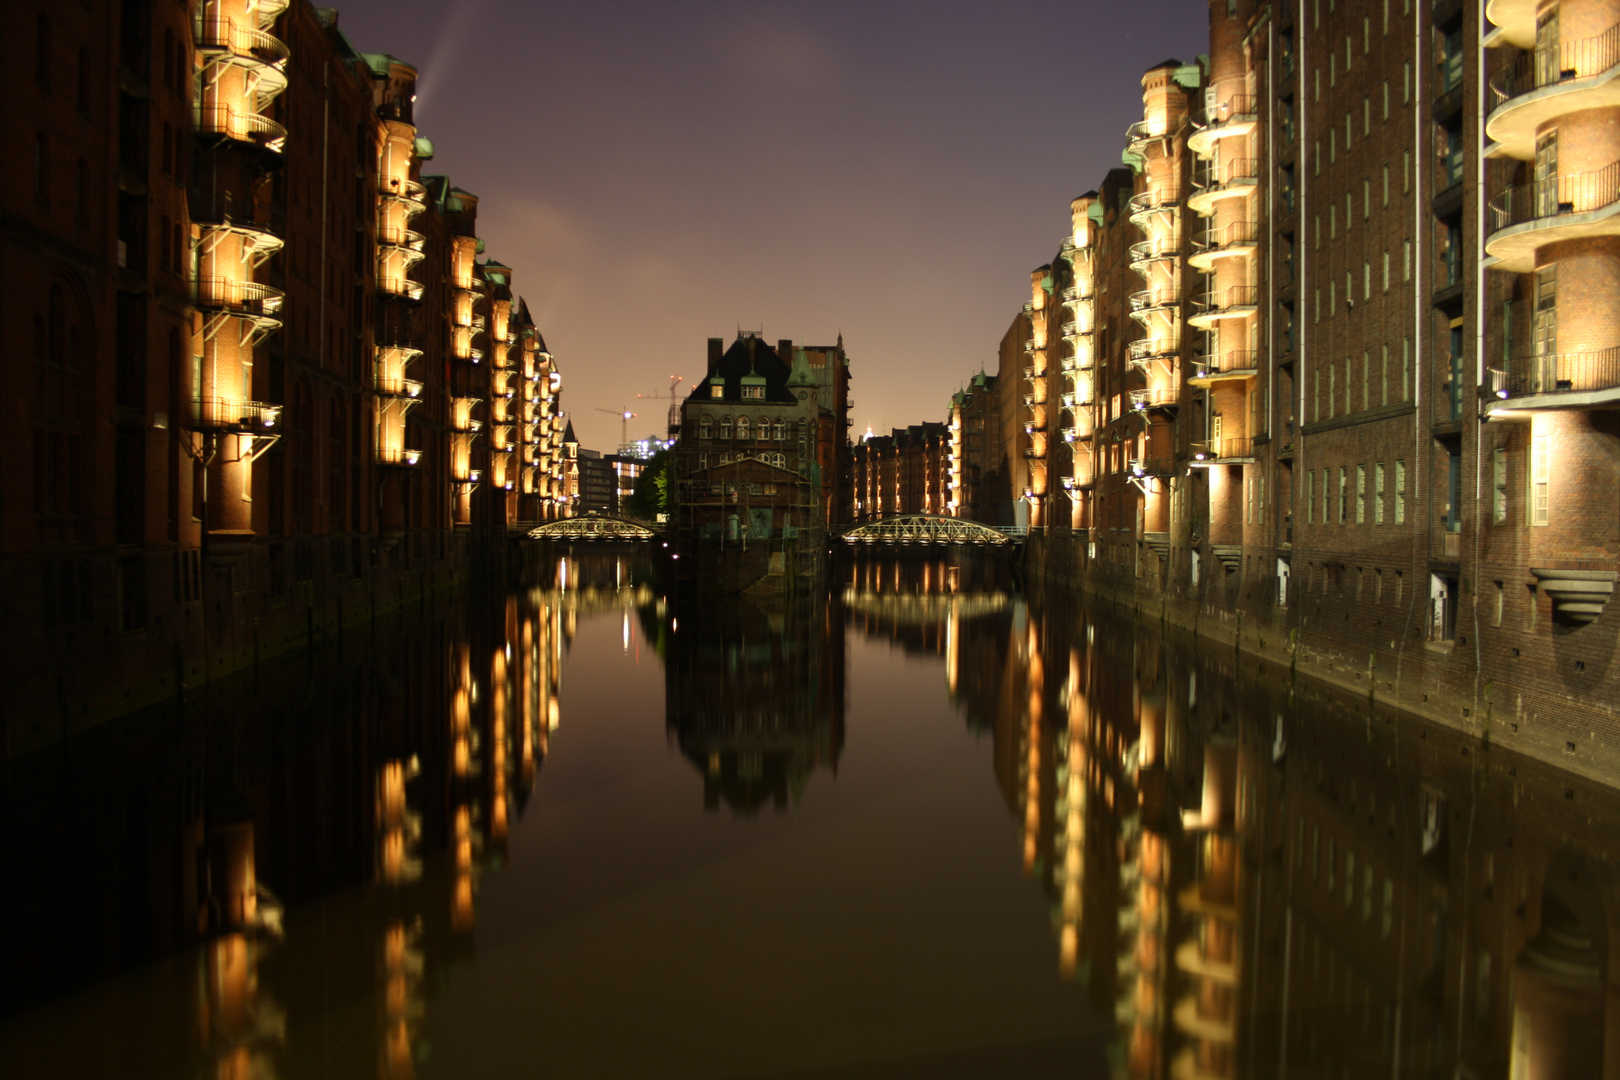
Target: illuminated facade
1328	366
904	472
237	295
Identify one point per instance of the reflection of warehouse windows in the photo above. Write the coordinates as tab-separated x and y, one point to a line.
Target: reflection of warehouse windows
750	765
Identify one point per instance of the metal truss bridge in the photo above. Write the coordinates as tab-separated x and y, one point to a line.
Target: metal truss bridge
594	527
927	529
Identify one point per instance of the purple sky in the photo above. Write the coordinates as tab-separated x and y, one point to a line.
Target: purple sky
657	173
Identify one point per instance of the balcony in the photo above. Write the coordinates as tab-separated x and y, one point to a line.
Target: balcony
1238	238
1031	347
1139	134
1228	180
1151	348
235	417
1574	380
1153	398
1144	253
1449	544
1233	302
1145	304
398	287
1234	116
1526	217
1076	399
1146	205
1076	363
1151	466
1076	293
247	45
228	122
248	299
1232	449
1544	84
398	386
393	236
1238	364
400	456
410	192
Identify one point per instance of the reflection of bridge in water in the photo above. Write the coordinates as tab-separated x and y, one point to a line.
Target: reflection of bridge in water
925	608
931	530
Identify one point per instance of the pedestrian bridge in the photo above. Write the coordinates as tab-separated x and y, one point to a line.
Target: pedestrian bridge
928	529
595	527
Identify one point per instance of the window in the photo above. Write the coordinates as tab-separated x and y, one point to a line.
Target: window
1540	478
1366	34
1349	132
1366	280
717	390
755	392
779	431
1386	99
1344	494
1400	498
1333	389
1333	221
1260	492
1333	145
1499	510
1366	378
1406	83
1406	170
42	51
1496	611
1326	496
1406	260
1385	278
1378	493
1361	494
706	428
1310	497
725	427
1383	380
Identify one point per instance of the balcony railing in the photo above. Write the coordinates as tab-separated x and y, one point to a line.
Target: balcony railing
247	42
1236	234
1227	299
1226	448
398	386
1577	193
1148	347
1548	66
1148	299
1152	398
1228	362
398	455
394	236
247	298
1236	107
1555	373
223	414
1218	175
222	119
1152	466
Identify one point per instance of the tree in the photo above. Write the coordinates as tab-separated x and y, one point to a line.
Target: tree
650	497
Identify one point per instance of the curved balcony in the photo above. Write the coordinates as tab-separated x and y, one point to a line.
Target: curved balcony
248	299
1074	294
1033	312
1147	303
1228	180
1151	348
399	386
227	122
257	241
1229	450
1547	83
1517	20
1234	302
224	38
1237	364
1031	347
1076	399
400	456
1526	217
1139	134
236	417
398	287
1144	253
1156	397
412	193
1073	364
468	426
1572	380
1234	116
1238	238
1147	205
392	236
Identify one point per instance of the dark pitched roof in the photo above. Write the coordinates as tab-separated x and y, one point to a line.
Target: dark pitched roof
748	356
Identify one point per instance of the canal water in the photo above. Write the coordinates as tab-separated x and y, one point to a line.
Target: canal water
922	825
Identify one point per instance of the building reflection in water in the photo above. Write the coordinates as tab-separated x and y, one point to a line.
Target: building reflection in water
1257	879
1249	878
754	695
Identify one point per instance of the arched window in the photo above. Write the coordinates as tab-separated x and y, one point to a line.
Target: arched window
706	428
781	431
742	428
725	427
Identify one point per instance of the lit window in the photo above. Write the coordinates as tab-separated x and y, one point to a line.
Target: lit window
1400	496
1499	483
1378	493
1540	478
717	390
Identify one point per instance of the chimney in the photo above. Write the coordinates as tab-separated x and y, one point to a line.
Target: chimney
784	349
716	349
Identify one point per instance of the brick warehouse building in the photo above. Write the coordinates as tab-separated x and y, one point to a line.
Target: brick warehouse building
266	383
1329	366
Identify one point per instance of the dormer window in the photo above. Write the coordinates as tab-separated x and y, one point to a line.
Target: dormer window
756	393
717	390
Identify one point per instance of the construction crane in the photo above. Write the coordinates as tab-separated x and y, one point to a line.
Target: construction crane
625	416
674	405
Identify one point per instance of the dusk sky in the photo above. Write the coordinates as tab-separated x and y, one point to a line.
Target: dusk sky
660	173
